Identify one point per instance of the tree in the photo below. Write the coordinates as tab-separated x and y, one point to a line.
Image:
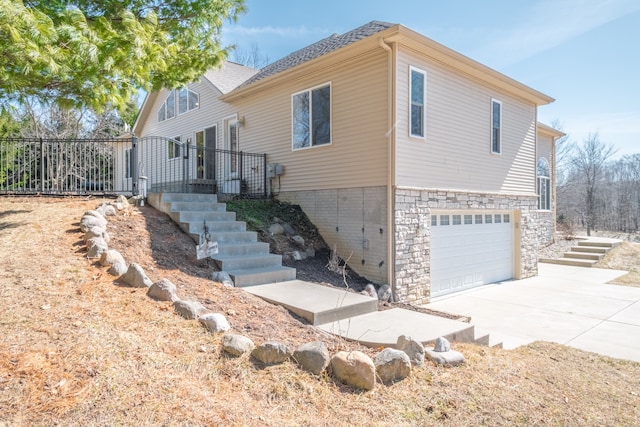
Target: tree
589	161
98	53
250	58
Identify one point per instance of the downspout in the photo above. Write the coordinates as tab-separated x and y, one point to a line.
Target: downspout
391	164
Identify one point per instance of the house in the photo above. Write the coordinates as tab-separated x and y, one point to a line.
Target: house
424	168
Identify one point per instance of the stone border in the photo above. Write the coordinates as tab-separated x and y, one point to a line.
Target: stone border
351	367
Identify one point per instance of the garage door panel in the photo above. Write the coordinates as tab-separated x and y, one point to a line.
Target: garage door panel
467	255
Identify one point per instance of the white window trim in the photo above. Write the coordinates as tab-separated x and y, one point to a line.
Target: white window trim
310	90
548	186
177	138
176	104
499	152
424	103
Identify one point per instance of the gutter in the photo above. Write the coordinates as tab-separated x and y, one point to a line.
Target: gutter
391	161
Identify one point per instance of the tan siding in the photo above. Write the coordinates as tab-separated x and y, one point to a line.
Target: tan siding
357	156
456	153
544	148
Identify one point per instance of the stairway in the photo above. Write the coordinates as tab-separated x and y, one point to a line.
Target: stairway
247	261
585	254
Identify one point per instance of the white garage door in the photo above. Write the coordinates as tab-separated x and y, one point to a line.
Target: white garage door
469	250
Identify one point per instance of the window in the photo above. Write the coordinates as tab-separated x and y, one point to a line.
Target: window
496	126
487	219
468	219
434	220
311	117
497	218
173	148
444	219
506	218
417	102
543	184
128	169
187	100
478	219
457	219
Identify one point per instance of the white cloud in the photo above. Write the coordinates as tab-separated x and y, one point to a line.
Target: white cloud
240	30
550	23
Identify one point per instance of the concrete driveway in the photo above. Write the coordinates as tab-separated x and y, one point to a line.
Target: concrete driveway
568	305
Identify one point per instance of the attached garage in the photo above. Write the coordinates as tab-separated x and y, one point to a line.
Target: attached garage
470	249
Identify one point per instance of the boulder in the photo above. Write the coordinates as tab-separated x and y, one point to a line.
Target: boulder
271	353
445	358
355	369
122	200
384	293
89	221
106	209
118	268
392	365
163	290
310	252
298	256
299	240
312	357
96	246
236	345
189	309
222	277
215	322
275	229
370	290
414	349
110	257
96	214
288	229
442	345
136	277
96	231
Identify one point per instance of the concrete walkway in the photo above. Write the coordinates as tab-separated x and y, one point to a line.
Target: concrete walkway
568	305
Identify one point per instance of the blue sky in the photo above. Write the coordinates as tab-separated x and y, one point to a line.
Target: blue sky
584	53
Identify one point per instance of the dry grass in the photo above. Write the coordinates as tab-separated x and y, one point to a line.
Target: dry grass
75	349
625	256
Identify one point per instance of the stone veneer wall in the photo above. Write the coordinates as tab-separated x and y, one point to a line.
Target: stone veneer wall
546	230
413	229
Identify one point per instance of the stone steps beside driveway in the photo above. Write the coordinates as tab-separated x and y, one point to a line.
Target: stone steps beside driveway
585	254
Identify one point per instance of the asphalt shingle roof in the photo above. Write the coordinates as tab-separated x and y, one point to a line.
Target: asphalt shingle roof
317	49
229	76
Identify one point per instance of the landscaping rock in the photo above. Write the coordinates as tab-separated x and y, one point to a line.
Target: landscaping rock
223	277
384	293
354	368
122	200
445	358
189	309
163	290
271	353
299	240
106	210
110	257
371	291
96	231
118	268
298	256
414	349
236	345
215	322
310	252
275	229
288	229
96	246
392	365
442	345
96	214
136	277
89	221
312	357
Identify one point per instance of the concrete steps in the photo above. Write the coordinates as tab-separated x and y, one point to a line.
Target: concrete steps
247	261
356	317
585	254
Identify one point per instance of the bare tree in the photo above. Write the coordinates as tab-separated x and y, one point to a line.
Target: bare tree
562	153
251	57
589	161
